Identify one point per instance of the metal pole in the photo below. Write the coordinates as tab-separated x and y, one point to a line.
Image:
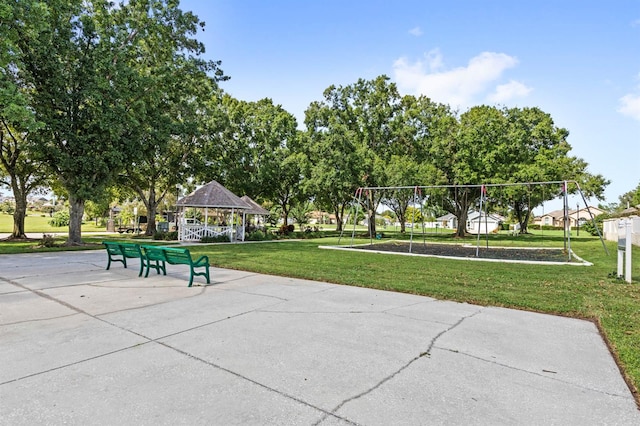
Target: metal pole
355	216
593	219
413	221
479	223
567	222
486	218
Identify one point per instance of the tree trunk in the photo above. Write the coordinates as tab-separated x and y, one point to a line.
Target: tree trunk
372	222
462	212
285	214
339	211
152	205
338	218
522	216
461	215
76	211
402	219
463	201
21	210
18	223
525	223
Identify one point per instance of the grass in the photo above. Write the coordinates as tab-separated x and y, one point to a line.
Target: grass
39	223
573	291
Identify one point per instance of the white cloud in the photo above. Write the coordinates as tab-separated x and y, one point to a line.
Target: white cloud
636	23
459	87
506	92
630	106
416	31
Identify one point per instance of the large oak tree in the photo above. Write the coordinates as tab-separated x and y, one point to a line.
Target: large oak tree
79	63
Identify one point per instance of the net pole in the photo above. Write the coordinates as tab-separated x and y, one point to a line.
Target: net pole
479	222
424	231
369	206
413	220
355	216
593	220
567	222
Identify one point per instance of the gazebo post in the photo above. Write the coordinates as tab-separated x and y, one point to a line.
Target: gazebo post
231	234
206	221
244	224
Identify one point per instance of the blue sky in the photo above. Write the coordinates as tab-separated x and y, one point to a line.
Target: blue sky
577	60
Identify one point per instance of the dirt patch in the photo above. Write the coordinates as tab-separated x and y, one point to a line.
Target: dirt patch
455	250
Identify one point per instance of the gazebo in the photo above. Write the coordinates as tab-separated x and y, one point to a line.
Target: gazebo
212	198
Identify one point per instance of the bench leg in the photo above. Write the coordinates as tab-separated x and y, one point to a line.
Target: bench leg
158	267
141	266
204	274
111	259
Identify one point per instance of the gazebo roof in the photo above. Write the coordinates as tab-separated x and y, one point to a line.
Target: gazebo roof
256	208
213	195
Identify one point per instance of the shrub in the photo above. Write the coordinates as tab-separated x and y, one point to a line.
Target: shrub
60	218
591	229
216	239
257	235
48	240
7	207
166	235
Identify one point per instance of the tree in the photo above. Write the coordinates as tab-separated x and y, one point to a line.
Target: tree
300	213
18	170
257	153
467	153
333	177
631	198
23	175
538	151
78	64
400	171
359	117
175	91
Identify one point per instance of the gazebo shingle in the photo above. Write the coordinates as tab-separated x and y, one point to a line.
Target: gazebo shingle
256	208
213	195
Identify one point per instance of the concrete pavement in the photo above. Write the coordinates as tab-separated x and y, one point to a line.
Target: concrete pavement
82	345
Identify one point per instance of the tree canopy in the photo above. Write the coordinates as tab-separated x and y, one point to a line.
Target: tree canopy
97	95
86	65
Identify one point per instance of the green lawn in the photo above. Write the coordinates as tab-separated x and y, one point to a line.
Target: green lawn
38	222
574	291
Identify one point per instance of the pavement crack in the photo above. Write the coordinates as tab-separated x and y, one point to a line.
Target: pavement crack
324	412
81	361
425	353
534	373
38	319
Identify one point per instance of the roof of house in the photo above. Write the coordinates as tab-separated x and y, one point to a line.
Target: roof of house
447	216
213	195
493	216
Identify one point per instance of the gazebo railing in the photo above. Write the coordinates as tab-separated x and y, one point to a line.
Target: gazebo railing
195	232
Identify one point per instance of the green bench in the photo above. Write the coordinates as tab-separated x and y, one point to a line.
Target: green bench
158	256
120	252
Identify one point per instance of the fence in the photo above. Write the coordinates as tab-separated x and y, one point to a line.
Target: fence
610	229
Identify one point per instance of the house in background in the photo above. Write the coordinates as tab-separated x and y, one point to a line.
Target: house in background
483	223
317	217
448	221
578	216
